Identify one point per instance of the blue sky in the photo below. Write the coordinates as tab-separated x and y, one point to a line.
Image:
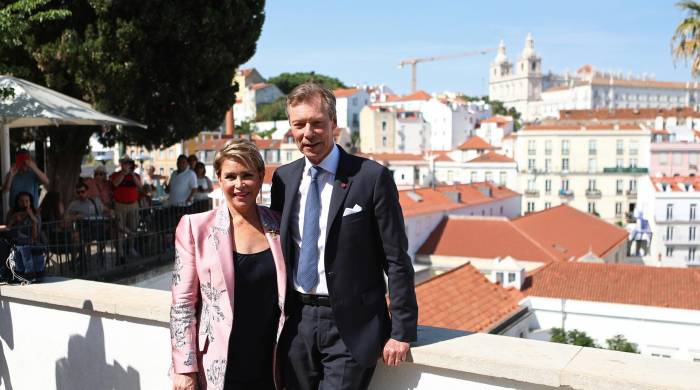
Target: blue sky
361	42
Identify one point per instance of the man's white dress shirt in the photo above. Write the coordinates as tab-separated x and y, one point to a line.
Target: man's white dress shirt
325	181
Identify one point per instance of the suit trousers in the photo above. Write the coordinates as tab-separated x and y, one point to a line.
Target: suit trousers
315	355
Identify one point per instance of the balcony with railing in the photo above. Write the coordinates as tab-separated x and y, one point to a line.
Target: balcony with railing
638	170
593	193
631	193
532	193
566	193
112	336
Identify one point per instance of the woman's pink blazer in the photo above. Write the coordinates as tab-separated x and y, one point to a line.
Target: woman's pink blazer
201	315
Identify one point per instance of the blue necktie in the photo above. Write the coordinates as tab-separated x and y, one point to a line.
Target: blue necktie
307	269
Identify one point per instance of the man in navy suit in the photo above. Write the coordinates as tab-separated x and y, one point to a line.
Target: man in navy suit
342	230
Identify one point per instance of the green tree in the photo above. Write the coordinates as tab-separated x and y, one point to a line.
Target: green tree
498	108
287	81
685	43
267	133
163	63
244	128
275	111
620	343
573	337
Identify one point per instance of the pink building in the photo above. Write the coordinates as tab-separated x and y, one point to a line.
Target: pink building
674	158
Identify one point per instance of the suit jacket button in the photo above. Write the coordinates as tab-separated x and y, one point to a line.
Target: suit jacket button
330	274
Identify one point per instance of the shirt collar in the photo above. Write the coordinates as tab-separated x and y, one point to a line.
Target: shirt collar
329	164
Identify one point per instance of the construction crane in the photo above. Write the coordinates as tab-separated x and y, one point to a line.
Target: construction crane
415	61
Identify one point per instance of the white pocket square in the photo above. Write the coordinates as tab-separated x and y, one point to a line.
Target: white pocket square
350	211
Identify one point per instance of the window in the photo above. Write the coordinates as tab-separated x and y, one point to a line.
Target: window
565	184
384	126
633	186
530	207
669	253
693	160
691	253
591	207
592	147
663	158
511	277
619	184
473	177
547	205
499	277
619	163
691	233
633	162
531	147
620	148
661	354
669	232
548	165
548	186
548	147
677	158
531	185
488	176
591	185
634	146
502	178
530	164
565	147
288	155
384	141
618	209
591	165
693	207
669	211
565	164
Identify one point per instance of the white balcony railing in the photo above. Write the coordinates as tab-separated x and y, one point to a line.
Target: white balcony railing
70	334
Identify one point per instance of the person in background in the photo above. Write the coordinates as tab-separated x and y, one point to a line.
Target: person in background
192	160
24	176
24	222
183	184
99	187
126	186
83	206
204	185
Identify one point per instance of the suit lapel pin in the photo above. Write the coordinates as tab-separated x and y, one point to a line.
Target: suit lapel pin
343	185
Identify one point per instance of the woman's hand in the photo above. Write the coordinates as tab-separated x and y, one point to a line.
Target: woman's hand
185	381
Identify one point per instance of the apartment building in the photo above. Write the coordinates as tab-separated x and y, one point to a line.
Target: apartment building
348	104
594	168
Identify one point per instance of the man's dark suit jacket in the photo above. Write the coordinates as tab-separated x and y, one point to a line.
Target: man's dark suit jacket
360	248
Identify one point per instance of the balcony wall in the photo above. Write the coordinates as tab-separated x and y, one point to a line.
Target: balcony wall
70	334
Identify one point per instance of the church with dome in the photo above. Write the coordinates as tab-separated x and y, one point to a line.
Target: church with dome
538	96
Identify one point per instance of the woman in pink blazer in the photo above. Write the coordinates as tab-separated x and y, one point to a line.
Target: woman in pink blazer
228	284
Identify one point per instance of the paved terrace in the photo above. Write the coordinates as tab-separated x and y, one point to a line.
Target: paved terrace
70	333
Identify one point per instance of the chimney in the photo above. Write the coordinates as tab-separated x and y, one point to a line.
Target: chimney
455	196
228	119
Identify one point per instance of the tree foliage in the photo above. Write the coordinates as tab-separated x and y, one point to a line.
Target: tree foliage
275	111
166	64
573	337
620	343
498	108
685	43
287	81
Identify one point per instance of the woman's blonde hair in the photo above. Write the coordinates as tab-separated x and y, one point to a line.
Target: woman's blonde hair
242	151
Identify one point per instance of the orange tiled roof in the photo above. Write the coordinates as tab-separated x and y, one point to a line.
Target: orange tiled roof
492	157
483	238
463	299
443	156
393	156
510	136
257	86
567	127
475	143
617	283
213	144
267	143
628	113
345	92
500	119
567	232
556	234
675	183
269	170
418	95
434	200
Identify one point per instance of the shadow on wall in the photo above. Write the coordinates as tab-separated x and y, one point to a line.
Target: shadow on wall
86	367
7	335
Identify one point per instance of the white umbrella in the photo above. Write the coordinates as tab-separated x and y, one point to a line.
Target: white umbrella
32	105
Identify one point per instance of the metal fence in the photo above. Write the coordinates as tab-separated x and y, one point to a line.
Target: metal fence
103	247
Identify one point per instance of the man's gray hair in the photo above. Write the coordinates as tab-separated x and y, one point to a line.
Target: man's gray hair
304	93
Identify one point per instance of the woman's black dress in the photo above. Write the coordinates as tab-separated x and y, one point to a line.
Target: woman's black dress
255	318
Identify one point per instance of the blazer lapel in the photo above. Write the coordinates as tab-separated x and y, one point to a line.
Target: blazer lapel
291	189
341	187
220	237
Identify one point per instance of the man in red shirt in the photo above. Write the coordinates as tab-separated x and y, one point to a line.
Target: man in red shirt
126	186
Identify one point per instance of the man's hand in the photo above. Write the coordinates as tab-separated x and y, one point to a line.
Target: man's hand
13	170
395	352
185	381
